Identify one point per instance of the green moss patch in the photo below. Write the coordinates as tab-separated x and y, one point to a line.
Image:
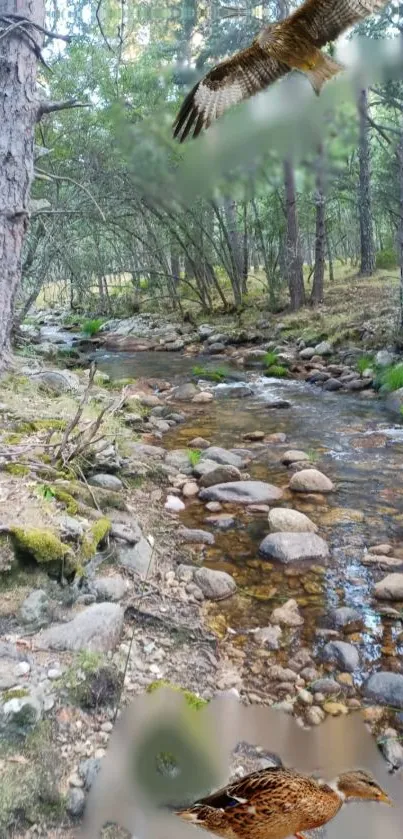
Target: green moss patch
94	537
192	699
17	469
40	543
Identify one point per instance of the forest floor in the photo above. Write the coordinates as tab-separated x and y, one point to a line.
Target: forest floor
104	593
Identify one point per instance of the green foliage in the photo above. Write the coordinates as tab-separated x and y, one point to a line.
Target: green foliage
386	259
92	327
17	469
277	370
391	378
219	374
270	359
194	456
45	491
64	497
96	535
365	362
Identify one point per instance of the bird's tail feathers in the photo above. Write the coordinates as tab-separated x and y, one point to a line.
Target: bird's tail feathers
323	69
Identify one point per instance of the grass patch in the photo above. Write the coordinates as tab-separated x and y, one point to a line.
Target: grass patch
92	327
194	456
391	378
277	371
364	363
270	359
219	374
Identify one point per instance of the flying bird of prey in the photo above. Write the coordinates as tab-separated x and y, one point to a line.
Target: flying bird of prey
291	44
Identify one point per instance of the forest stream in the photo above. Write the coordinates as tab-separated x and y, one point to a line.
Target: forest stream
353	441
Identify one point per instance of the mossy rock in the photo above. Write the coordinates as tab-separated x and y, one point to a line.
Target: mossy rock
44	547
17	469
30	790
192	699
94	537
14	693
104	498
65	498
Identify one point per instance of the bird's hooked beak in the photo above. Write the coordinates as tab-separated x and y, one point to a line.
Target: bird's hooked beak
385	798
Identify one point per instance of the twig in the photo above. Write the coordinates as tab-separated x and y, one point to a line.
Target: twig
26	35
75	420
47	32
90	490
101	29
53	177
140	599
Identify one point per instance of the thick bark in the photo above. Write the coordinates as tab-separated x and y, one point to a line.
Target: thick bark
234	244
320	233
18	115
399	155
293	257
367	262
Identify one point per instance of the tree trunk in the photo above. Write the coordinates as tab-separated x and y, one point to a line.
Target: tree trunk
18	115
367	263
329	256
320	234
234	244
293	256
399	155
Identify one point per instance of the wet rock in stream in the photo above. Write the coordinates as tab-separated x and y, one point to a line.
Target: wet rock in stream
284	520
242	492
293	547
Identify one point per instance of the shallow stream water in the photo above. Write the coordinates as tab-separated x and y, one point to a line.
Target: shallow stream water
355	443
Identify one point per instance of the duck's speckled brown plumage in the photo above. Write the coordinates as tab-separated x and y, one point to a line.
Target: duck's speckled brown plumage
277	803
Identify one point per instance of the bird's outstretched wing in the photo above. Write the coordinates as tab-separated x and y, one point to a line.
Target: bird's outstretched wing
325	20
230	82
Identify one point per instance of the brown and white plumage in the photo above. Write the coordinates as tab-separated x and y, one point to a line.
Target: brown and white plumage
276	803
291	44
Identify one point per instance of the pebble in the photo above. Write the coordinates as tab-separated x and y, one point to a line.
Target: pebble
75	802
305	697
54	673
22	668
315	715
335	709
174	504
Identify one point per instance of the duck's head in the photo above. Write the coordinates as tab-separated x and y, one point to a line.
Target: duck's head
359	784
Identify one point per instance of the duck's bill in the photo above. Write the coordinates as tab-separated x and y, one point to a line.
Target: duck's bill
385	798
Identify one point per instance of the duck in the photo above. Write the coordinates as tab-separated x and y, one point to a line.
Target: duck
276	803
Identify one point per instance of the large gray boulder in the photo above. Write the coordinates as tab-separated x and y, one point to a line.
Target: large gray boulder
222	456
310	480
293	547
390	588
283	520
97	628
220	475
242	492
343	655
385	688
215	585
